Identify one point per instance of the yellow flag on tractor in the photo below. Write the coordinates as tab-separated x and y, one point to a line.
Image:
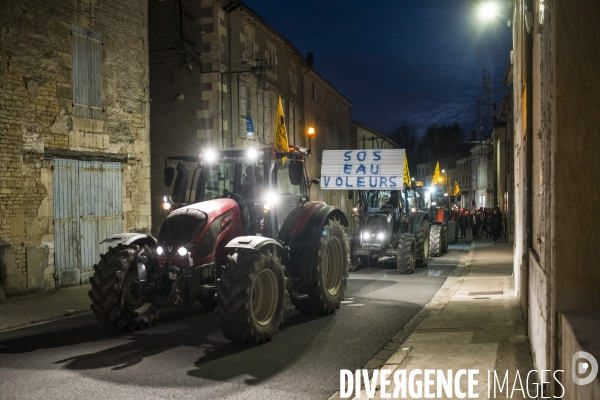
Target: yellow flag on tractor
406	172
280	141
456	189
437	176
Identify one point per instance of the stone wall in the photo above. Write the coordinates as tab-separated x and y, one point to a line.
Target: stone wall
37	123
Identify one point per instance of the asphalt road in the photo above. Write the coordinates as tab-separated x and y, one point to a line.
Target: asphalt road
186	356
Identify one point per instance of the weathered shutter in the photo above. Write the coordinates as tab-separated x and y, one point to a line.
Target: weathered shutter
87	73
100	205
243	110
268	135
67	251
261	117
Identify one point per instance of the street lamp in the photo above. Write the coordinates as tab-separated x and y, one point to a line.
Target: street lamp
488	10
310	132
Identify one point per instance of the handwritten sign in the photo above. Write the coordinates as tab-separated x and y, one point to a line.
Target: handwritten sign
362	169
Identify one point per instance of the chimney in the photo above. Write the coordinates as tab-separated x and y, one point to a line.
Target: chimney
309	59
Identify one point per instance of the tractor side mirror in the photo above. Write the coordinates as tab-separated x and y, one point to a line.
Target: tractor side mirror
350	194
169	174
315	181
296	172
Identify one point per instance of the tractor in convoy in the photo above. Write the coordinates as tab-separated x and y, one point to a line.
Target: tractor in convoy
386	225
240	233
434	200
389	225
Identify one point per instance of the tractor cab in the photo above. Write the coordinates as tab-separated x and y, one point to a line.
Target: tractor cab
266	186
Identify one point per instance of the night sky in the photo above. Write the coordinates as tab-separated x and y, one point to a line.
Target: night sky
417	62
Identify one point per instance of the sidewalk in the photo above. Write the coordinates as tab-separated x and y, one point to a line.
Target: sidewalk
42	307
473	322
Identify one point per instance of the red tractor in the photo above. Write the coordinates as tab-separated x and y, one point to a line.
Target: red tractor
240	233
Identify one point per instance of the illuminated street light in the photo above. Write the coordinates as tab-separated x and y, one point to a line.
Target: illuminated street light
488	10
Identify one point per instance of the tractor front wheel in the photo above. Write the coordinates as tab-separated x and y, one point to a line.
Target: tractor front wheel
435	240
115	294
422	239
325	289
251	296
452	231
405	259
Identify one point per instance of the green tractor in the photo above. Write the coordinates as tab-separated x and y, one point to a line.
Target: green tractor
389	224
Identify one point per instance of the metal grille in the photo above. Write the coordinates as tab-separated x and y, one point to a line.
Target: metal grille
486	293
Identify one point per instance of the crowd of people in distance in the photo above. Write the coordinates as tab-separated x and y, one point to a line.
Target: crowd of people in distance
484	221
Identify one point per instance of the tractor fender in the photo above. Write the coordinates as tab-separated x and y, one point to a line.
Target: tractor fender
418	218
132	238
440	216
301	233
258	243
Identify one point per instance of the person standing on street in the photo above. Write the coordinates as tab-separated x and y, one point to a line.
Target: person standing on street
463	221
496	225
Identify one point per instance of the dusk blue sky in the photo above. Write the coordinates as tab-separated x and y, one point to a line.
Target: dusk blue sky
399	61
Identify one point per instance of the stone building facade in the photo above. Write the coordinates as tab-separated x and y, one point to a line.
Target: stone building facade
556	85
216	71
74	136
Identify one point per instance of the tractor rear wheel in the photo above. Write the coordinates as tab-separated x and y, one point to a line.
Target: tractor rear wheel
251	296
422	239
405	259
444	238
452	230
115	294
435	240
325	289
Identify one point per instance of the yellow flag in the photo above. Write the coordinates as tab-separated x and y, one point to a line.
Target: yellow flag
456	188
406	172
280	141
437	176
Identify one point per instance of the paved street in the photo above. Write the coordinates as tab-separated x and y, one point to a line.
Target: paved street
186	356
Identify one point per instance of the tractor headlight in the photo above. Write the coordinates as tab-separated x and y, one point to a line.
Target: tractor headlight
380	236
270	200
413	210
210	156
354	209
182	251
159	251
166	206
252	154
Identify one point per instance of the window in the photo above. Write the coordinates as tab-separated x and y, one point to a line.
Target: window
271	60
260	128
87	73
246	123
292	123
249	44
293	77
269	118
328	102
315	93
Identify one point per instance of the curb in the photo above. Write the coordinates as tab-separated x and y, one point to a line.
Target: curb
66	314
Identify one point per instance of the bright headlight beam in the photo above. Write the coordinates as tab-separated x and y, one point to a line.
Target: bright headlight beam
182	251
252	154
159	250
210	156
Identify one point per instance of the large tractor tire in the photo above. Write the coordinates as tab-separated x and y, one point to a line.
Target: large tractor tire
407	248
444	238
436	240
422	239
251	296
115	293
452	231
325	289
